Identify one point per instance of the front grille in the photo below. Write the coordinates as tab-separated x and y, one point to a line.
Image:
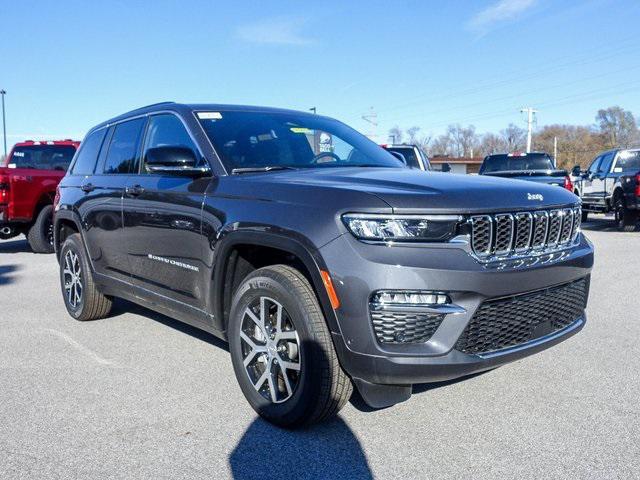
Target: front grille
511	321
404	327
506	234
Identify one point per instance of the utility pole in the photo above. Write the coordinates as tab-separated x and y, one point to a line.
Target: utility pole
4	123
555	151
313	109
530	112
372	119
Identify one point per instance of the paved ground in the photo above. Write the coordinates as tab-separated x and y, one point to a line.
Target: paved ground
141	396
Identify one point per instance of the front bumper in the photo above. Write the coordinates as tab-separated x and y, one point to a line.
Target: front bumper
358	269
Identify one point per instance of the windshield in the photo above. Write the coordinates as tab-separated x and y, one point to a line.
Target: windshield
42	157
530	161
273	139
408	153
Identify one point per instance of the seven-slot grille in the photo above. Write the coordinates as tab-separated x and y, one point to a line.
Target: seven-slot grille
506	234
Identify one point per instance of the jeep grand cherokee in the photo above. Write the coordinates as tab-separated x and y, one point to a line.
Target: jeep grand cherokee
321	259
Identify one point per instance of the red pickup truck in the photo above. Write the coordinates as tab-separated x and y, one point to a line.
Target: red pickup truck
28	180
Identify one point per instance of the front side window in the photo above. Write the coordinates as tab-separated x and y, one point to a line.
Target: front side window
595	165
166	130
88	155
605	164
246	139
42	157
122	156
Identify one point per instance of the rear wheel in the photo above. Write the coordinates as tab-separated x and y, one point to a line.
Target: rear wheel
81	297
40	235
282	351
625	219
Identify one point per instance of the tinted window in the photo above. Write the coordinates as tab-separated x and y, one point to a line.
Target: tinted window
86	161
629	161
605	164
167	130
245	139
529	161
593	168
42	157
123	149
408	153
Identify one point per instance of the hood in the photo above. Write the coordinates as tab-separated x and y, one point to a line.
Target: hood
407	190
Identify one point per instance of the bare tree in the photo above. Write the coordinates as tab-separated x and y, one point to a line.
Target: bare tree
514	137
395	134
492	143
412	132
618	126
463	140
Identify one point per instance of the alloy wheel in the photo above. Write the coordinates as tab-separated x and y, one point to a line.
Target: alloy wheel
72	277
270	349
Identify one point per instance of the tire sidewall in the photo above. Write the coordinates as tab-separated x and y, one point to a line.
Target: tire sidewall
74	245
302	401
44	221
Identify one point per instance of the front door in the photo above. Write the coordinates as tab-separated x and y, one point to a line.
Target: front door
162	222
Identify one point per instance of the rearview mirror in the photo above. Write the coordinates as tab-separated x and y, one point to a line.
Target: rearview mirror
575	171
173	160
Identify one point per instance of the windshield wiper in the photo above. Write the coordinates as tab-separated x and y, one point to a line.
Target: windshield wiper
237	171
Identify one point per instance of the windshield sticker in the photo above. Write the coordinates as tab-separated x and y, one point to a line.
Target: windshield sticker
12	165
18	154
306	131
209	115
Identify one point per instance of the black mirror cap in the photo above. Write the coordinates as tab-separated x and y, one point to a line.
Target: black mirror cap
446	167
171	157
575	171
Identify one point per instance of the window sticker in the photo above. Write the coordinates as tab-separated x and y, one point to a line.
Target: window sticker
209	115
304	130
18	154
12	165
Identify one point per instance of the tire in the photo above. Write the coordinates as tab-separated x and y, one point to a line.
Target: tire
624	218
585	216
85	302
40	235
316	387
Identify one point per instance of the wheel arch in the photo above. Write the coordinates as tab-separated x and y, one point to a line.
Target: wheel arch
65	223
293	251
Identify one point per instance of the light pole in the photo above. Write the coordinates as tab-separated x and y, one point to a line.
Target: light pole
4	123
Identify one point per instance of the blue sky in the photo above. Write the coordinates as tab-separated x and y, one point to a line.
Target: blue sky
69	65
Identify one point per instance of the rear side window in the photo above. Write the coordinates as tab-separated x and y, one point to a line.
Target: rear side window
629	161
123	149
42	157
88	155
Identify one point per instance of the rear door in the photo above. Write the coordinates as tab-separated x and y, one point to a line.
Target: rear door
162	221
101	210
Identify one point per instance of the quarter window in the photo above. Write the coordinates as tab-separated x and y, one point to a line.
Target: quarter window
88	155
123	150
166	130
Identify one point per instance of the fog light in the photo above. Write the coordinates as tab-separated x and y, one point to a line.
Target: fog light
403	297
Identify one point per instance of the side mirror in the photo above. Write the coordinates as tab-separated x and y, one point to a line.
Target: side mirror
446	167
399	156
575	171
173	161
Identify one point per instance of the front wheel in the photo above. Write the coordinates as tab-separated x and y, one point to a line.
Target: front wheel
40	235
625	219
281	349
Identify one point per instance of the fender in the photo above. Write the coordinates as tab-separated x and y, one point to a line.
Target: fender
64	214
309	256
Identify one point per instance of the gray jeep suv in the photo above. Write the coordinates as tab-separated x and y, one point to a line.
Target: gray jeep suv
321	259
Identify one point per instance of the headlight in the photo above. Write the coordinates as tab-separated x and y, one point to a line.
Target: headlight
429	228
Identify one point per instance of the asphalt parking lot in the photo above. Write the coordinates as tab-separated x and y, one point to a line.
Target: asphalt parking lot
139	395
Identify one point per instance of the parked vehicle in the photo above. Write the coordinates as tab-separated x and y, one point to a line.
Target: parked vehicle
412	154
28	180
612	184
322	259
534	167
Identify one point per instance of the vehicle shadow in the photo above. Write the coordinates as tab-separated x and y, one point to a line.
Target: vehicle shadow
602	224
14	246
327	451
121	306
7	274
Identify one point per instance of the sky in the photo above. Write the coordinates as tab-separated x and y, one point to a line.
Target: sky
68	65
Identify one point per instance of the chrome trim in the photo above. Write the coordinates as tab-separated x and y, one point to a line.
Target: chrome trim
442	309
530	237
391	216
489	220
497	219
533	343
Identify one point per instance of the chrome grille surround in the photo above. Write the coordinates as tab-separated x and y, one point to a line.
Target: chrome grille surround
504	235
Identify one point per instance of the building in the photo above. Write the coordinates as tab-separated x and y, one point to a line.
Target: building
457	164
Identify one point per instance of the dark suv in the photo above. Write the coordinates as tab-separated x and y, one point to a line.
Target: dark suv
319	256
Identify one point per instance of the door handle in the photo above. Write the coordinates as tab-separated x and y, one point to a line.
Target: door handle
134	190
88	187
